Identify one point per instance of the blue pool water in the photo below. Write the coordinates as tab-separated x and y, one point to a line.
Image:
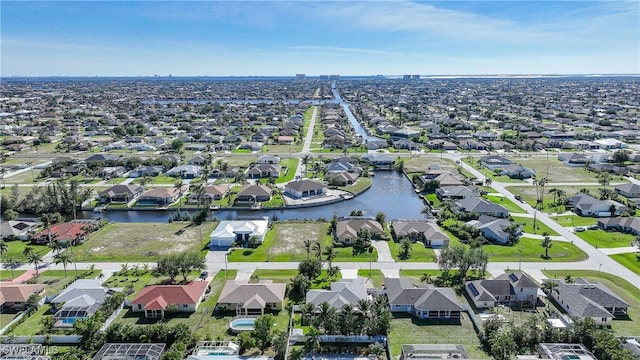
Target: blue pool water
70	320
243	324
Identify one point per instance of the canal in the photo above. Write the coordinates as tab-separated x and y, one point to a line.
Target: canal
390	193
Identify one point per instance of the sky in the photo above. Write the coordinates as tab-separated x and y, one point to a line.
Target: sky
281	38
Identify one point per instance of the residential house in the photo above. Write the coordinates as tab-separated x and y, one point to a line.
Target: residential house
268	159
563	351
259	171
211	193
111	172
229	232
252	298
611	144
14	297
507	289
493	228
342	178
343	164
74	232
305	188
342	292
159	196
425	232
131	351
254	193
79	300
517	171
494	162
121	194
574	159
154	300
185	171
379	161
589	299
628	190
347	229
481	206
423	302
200	160
586	205
17	229
623	224
142	171
456	192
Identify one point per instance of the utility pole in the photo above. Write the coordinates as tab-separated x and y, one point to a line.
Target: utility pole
535	214
520	262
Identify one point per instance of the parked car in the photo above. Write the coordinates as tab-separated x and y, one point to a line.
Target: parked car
593	227
203	275
519	198
579	229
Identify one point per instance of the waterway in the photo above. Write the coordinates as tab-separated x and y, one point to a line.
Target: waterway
390	193
357	127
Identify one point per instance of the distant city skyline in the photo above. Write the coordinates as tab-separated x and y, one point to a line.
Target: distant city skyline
277	38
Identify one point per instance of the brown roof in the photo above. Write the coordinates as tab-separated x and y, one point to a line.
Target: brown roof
157	297
161	192
254	190
351	227
10	292
242	292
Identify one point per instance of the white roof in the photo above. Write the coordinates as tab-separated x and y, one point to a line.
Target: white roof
229	229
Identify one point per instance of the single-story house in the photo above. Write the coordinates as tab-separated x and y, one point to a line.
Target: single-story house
259	171
493	162
254	193
508	289
493	228
73	232
342	178
347	229
81	299
246	298
14	296
456	192
110	172
428	233
586	205
379	161
268	159
159	196
588	299
342	292
17	229
611	144
481	206
574	159
229	232
211	193
304	188
142	171
121	194
629	190
623	224
517	171
154	300
185	171
423	302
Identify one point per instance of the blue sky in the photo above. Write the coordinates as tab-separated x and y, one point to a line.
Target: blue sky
219	38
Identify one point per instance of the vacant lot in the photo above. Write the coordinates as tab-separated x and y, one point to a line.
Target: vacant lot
529	194
416	165
606	239
574	220
504	202
532	251
143	242
15	249
628	260
528	226
621	287
556	171
376	276
406	330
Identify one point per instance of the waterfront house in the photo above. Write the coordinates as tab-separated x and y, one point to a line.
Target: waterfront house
342	178
17	229
211	193
425	232
121	194
229	232
379	161
456	192
304	188
507	289
251	193
246	298
74	232
347	229
589	299
155	300
423	302
159	196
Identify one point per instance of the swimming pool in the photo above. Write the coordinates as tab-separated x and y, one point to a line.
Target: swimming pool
242	324
70	320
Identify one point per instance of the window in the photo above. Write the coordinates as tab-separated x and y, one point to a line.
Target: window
139	306
185	305
520	289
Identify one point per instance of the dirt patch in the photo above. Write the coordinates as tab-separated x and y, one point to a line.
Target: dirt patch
290	237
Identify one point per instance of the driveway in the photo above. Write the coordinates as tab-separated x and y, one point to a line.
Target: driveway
384	254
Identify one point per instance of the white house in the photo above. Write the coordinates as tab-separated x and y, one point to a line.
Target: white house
238	231
611	144
509	289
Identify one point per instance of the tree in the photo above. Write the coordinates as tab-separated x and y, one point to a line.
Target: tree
462	257
312	343
513	230
188	262
317	247
307	246
35	259
254	241
310	268
62	258
546	244
305	162
168	266
405	249
620	156
299	286
3	249
333	271
30	165
430	186
177	144
330	252
279	344
28	250
426	211
49	219
381	217
362	243
11	263
262	331
604	179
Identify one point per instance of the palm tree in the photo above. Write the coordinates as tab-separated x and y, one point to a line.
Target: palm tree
333	272
305	162
330	252
546	244
307	246
426	211
12	263
30	164
57	246
178	186
101	276
513	229
317	247
28	250
405	249
63	258
604	179
312	343
428	278
3	172
568	279
3	249
49	219
35	259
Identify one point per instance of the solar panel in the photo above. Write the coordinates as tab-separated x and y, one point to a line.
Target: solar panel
513	277
473	289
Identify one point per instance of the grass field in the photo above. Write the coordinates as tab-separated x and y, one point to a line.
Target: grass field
284	276
160	179
16	247
24	178
489	173
285	242
406	330
528	226
629	260
376	276
606	239
504	202
528	194
143	242
7	275
532	251
557	171
419	253
421	165
291	165
621	287
574	220
360	184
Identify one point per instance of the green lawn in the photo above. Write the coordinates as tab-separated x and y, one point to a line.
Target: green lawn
528	194
419	253
16	247
143	242
289	167
407	330
24	178
139	278
504	202
557	170
360	185
489	173
421	165
7	275
284	276
574	220
629	260
376	276
621	287
285	242
160	179
606	239
528	226
532	251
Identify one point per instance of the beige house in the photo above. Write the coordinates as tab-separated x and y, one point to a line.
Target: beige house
347	229
252	298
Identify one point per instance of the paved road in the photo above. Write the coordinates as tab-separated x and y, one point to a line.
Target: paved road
307	140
